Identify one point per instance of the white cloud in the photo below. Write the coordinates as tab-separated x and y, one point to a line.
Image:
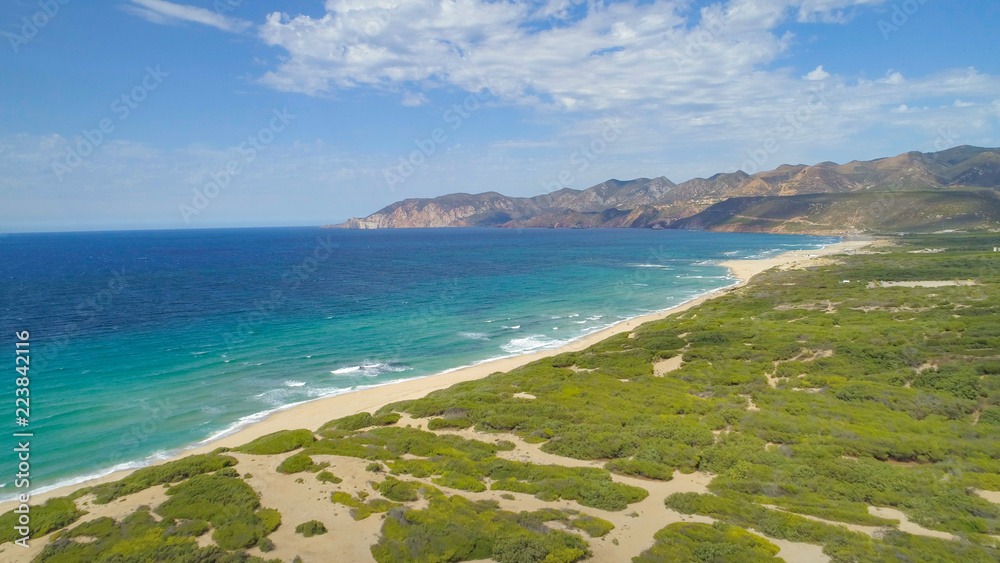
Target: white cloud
162	12
818	74
892	78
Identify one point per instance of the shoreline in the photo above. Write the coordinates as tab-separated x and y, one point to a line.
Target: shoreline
314	413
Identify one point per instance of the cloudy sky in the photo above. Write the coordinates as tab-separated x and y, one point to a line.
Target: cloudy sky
122	114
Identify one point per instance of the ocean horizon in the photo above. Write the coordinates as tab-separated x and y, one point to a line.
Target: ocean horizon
146	343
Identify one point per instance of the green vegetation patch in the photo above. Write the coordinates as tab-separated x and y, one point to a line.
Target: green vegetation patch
310	528
299	463
56	513
841	544
278	443
456	529
703	543
230	505
595	527
170	472
357	422
138	537
327	477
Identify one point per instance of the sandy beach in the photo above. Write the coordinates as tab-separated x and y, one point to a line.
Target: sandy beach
313	414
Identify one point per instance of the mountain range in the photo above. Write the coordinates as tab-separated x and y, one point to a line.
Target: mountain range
956	188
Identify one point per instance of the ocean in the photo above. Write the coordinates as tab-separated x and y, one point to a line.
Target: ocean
144	343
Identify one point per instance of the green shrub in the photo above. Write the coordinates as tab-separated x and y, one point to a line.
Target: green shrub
327	477
278	443
310	528
299	463
439	423
230	505
595	527
455	529
56	513
340	497
228	472
138	537
459	481
641	468
684	541
170	472
399	491
357	422
189	528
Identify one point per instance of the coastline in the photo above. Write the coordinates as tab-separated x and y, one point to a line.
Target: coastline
314	413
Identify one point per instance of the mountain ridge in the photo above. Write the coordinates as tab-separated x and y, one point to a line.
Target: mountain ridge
660	203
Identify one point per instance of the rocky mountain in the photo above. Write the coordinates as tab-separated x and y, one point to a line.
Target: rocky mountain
660	203
855	212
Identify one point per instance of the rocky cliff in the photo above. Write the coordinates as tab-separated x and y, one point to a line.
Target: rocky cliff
660	203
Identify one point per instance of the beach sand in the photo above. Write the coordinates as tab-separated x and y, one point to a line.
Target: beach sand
282	492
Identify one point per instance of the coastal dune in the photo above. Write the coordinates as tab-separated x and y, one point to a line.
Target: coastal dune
633	534
315	413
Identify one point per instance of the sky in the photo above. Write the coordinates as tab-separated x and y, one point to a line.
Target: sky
152	114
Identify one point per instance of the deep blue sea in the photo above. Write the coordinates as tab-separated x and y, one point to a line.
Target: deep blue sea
147	342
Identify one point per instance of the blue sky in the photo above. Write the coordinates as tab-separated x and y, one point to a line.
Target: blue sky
247	113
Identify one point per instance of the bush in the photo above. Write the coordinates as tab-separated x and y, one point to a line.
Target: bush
340	497
170	472
457	423
595	527
455	529
278	442
685	541
228	472
310	528
327	477
299	463
459	481
399	491
641	468
359	421
56	513
230	505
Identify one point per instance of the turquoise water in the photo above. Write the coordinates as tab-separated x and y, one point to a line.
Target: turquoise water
144	343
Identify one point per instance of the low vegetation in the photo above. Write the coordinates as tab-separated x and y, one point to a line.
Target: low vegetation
310	528
146	477
456	529
299	463
278	442
703	543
